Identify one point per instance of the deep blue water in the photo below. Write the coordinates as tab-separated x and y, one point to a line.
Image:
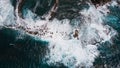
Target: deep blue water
17	52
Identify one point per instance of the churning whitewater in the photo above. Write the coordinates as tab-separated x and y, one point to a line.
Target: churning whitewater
71	43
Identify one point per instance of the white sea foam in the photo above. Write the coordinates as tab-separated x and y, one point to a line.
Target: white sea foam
64	48
6	13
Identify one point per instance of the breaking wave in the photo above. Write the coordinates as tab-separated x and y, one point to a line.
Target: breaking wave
65	47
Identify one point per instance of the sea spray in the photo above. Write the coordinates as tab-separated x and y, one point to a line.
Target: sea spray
64	48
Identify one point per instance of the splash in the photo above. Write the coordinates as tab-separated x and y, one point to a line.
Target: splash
64	47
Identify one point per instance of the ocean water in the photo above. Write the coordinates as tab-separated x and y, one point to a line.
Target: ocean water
33	42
